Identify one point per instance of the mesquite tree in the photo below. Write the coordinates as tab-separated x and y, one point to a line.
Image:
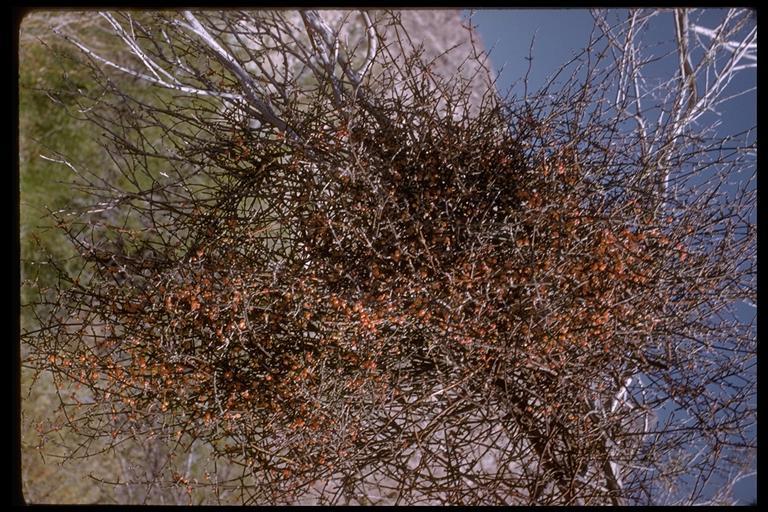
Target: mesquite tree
358	280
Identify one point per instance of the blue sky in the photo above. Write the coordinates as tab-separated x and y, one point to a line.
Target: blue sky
559	35
507	35
562	33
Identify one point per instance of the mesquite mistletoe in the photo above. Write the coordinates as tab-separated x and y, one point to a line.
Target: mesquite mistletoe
358	275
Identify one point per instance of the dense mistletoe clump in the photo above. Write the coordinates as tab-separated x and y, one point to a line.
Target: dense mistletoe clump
435	307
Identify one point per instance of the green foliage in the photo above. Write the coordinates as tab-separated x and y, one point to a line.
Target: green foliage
46	127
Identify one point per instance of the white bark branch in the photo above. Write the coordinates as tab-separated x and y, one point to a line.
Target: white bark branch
262	108
731	46
162	83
